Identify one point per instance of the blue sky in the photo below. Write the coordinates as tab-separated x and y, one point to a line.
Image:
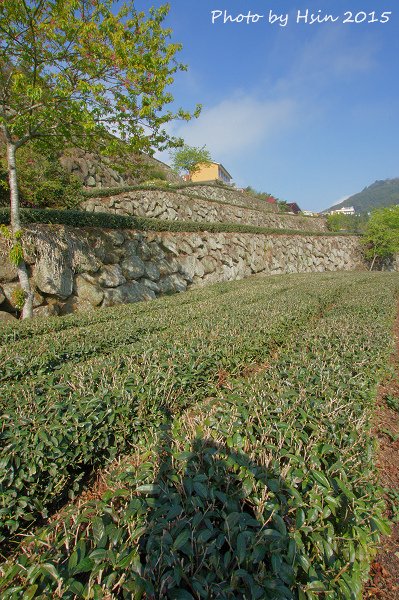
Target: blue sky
306	112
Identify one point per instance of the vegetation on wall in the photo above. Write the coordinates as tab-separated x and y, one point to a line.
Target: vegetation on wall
43	182
260	195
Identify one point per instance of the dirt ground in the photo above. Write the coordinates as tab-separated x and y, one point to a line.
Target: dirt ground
384	575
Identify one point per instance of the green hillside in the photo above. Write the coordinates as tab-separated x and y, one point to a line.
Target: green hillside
377	195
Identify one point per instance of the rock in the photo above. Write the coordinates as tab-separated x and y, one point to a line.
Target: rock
90	181
191	267
6	317
145	251
152	271
116	237
133	267
127	293
136	292
209	264
156	251
195	241
2	296
87	291
131	247
8	271
151	285
111	276
9	291
37	299
184	247
167	266
170	246
171	284
113	296
50	310
52	276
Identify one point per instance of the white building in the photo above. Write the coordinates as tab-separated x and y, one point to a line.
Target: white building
345	210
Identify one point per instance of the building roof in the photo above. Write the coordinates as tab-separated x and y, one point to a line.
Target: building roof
224	169
293	206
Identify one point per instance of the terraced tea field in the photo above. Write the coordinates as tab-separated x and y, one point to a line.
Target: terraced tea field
221	439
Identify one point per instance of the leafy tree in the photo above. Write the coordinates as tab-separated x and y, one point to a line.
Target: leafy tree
381	237
341	222
189	158
75	71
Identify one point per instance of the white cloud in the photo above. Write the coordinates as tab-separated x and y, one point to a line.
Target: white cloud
236	125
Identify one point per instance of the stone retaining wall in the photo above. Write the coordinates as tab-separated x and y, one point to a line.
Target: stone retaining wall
97	171
180	206
231	196
80	269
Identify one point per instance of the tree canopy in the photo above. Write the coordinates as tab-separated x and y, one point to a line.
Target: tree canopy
84	72
189	158
75	69
381	237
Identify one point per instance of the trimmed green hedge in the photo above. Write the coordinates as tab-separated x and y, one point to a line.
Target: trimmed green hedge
103	192
74	218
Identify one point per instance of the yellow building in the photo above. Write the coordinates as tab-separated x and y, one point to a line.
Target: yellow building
211	172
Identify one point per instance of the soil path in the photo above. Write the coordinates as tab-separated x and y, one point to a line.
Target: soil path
384	574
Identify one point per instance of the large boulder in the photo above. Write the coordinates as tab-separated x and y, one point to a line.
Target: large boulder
53	276
127	294
111	276
88	291
172	284
152	271
133	267
191	266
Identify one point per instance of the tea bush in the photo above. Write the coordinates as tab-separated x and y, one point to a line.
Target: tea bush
243	414
76	218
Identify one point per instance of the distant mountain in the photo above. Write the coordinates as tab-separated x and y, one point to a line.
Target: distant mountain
377	195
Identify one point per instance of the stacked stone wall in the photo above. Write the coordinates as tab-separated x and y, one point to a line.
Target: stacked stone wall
76	269
176	205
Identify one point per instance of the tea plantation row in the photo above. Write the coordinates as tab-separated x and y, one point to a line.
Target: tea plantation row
242	412
74	400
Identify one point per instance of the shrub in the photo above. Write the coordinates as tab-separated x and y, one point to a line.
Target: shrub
43	182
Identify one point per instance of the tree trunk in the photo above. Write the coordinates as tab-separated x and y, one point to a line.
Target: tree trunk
372	264
23	275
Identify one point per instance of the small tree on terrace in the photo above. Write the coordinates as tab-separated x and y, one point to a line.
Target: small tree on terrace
189	158
72	71
381	238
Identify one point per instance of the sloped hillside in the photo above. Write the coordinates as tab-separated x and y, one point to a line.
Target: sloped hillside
377	195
